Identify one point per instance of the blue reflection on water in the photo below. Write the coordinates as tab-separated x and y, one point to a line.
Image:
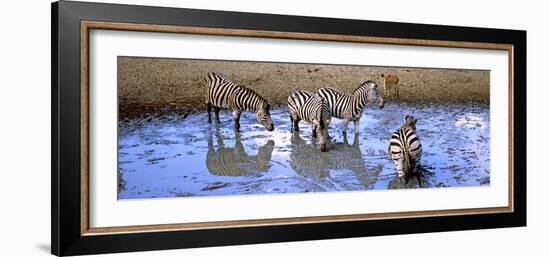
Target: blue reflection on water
178	156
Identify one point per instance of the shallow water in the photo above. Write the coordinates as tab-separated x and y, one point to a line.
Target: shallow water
183	155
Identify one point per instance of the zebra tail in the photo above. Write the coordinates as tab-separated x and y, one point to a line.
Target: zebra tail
407	164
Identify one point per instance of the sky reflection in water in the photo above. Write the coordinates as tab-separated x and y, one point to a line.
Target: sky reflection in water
178	157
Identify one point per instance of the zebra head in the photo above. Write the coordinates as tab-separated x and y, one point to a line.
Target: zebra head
263	116
369	92
373	94
411	121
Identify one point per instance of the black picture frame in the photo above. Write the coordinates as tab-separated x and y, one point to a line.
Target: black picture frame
66	234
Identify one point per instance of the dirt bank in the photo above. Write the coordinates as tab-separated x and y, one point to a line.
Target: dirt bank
151	84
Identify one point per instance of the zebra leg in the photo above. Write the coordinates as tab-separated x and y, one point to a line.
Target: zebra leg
296	126
399	167
356	125
236	118
294	120
209	109
217	112
346	141
313	131
356	141
345	126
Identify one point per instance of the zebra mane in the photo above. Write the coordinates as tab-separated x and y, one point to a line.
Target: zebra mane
336	90
363	85
221	75
256	94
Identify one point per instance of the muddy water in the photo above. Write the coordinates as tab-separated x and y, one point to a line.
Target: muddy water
181	156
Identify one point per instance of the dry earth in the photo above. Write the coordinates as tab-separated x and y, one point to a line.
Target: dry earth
148	85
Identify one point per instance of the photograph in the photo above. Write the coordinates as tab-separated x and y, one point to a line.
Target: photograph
203	127
176	127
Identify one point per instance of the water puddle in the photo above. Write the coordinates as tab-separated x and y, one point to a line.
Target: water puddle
183	155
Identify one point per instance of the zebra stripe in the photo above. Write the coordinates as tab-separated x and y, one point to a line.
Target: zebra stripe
312	108
405	149
222	93
349	107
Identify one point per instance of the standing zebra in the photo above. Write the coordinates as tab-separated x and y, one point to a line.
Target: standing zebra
310	107
405	150
349	107
220	92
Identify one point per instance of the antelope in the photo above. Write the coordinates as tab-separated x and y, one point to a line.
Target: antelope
391	86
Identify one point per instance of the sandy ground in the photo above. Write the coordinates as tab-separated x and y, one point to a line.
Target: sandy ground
151	84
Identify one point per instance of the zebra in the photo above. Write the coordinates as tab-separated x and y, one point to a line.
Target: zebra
349	107
220	92
312	108
405	150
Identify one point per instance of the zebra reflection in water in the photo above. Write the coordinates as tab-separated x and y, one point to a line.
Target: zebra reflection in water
234	161
304	161
345	156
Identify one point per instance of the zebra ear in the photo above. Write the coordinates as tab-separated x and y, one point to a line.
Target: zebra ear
415	120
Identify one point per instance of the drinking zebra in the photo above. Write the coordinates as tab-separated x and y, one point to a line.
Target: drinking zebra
220	92
405	150
349	107
312	108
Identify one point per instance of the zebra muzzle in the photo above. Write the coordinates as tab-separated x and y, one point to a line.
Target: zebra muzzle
381	104
323	147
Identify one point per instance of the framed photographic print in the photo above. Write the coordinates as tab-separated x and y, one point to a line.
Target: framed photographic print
177	128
